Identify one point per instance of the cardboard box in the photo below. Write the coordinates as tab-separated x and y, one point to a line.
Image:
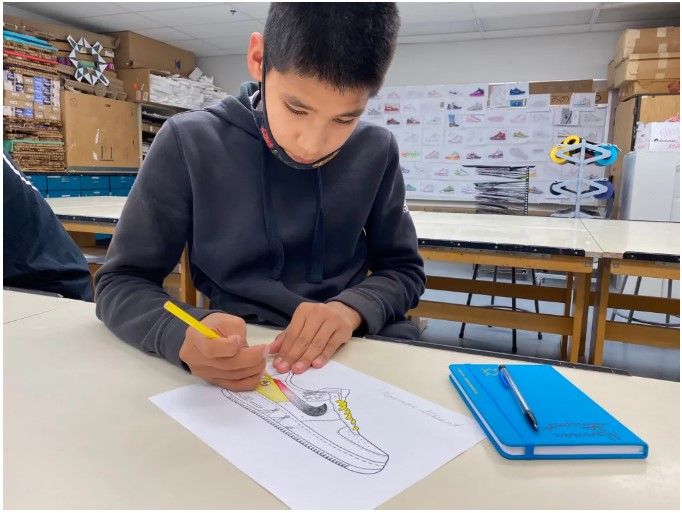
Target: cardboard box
647	67
640	87
137	51
100	133
611	75
658	137
561	86
136	84
652	40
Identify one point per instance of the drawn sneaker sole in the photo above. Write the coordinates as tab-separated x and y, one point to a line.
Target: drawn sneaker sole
372	460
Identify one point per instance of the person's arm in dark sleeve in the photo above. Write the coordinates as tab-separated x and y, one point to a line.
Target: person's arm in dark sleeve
397	278
149	239
38	254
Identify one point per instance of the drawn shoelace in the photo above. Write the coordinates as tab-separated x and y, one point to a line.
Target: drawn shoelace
343	407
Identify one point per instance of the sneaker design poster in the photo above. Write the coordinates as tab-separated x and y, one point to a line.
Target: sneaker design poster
306	437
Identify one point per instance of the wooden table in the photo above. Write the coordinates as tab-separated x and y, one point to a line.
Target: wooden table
634	248
556	244
80	431
91	215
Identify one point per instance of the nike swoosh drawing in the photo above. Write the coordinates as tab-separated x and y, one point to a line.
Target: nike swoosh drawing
308	409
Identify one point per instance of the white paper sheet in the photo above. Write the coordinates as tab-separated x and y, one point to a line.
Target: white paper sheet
310	459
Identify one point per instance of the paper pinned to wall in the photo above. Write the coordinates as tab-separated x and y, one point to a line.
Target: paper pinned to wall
332	438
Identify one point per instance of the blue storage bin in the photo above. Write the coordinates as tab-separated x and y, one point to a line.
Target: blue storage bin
120	192
121	181
95	192
38	181
63	194
43	192
93	182
63	183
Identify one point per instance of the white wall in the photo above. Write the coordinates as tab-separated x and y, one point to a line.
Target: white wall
560	57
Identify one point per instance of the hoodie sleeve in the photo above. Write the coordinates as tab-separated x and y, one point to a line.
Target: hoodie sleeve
38	254
397	278
153	229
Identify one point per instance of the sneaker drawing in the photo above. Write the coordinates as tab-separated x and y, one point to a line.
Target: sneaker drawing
393	95
519	153
433	94
432	155
516	92
410	188
519	118
392	121
475	107
473	156
412	121
441	172
391	107
451	121
454	92
519	134
410	154
496	119
499	136
477	93
320	420
461	172
590	118
427	187
455	139
583	102
374	112
452	156
566	116
433	138
473	119
447	189
453	106
412	138
496	155
517	103
409	108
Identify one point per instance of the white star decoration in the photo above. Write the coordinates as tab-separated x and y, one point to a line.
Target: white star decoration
91	75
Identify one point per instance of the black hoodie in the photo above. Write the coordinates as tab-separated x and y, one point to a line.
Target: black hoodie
262	237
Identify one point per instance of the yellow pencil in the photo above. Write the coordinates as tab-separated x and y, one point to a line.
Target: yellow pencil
191	321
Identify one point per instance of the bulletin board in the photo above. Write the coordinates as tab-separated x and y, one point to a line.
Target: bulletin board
441	129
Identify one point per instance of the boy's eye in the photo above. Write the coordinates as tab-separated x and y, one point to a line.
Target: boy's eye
345	121
294	111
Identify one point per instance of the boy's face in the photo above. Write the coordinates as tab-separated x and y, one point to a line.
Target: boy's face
308	118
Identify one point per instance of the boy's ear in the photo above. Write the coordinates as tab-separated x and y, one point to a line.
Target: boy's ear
254	56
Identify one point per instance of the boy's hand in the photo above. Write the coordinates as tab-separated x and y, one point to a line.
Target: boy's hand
314	334
226	361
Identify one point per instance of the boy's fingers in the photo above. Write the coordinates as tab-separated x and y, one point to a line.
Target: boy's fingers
301	344
214	373
291	334
218	347
337	340
239	385
245	358
315	349
276	344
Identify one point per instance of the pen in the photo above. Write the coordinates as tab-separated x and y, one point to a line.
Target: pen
508	382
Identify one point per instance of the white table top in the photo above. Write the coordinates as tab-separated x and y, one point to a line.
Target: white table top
17	306
80	431
617	237
91	208
513	233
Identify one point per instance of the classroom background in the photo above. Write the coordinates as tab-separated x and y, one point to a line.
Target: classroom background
482	98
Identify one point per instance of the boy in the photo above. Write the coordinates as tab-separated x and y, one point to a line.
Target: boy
285	201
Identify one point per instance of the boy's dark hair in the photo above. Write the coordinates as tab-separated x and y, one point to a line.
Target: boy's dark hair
347	45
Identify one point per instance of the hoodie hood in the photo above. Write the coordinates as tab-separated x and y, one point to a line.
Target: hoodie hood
240	112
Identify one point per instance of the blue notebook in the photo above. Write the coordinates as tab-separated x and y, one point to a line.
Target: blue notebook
571	425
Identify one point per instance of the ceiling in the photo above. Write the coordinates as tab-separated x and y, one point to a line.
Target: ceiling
220	28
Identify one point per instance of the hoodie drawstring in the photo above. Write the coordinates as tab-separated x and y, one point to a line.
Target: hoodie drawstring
316	269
